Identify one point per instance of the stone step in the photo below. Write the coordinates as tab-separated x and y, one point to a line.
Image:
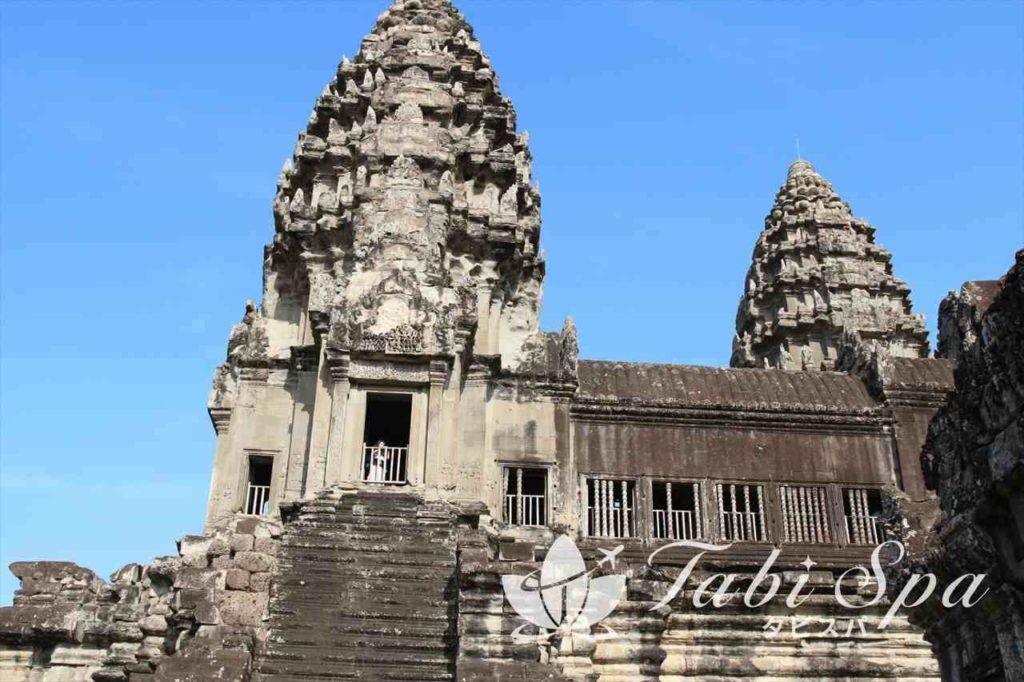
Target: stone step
306	607
350	527
360	592
298	641
312	555
336	583
317	661
369	673
381	625
321	570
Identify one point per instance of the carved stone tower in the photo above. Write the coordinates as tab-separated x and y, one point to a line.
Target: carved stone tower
406	256
407	213
817	275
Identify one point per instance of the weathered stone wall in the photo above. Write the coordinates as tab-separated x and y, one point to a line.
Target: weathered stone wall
194	617
974	461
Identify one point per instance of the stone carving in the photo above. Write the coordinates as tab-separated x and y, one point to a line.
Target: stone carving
409	112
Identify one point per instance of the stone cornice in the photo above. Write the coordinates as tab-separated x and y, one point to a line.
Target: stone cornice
726	417
221	419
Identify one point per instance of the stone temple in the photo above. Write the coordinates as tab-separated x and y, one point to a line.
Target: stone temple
395	433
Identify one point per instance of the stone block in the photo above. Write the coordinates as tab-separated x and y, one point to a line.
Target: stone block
124	632
266	546
195	578
207	613
199	560
130	573
194	544
516	551
76	655
246	525
153	625
243	608
236	579
254	562
202	664
121	654
189	597
260	582
241	543
219	546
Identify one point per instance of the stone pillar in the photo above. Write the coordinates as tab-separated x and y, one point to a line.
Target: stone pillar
473	427
316	476
482	342
221	418
337	367
433	469
298	442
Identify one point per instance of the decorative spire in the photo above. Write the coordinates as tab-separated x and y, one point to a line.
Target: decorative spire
800	167
817	273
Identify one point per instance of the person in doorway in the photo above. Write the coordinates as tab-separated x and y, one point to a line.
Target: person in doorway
378	463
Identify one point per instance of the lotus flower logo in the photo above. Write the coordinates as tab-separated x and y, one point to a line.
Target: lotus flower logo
562	597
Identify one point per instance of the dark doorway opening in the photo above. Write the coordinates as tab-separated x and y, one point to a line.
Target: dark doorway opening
388	416
257	495
386	437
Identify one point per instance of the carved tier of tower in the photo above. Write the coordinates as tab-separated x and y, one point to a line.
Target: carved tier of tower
407	220
817	276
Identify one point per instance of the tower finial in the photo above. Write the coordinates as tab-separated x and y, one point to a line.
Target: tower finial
798	156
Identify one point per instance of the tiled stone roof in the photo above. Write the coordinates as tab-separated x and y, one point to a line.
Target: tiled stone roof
689	386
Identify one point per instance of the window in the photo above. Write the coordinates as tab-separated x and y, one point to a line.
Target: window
862	507
386	437
804	514
525	496
611	508
676	511
741	512
257	495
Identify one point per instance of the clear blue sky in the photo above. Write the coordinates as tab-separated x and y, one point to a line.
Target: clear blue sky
141	143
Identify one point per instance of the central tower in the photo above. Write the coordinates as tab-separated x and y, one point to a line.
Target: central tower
406	217
405	260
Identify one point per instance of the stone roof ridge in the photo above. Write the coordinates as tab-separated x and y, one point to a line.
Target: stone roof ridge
710	368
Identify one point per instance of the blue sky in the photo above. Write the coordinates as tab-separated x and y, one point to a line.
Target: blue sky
141	143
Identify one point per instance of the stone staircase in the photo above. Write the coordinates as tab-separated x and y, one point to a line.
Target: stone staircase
363	591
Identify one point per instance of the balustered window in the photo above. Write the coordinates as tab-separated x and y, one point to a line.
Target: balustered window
741	515
862	507
257	493
805	514
525	496
676	511
611	508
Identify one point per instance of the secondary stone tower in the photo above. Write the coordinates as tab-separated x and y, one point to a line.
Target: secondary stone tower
817	274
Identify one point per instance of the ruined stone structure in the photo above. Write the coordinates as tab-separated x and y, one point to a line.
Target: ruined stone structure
974	460
395	433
